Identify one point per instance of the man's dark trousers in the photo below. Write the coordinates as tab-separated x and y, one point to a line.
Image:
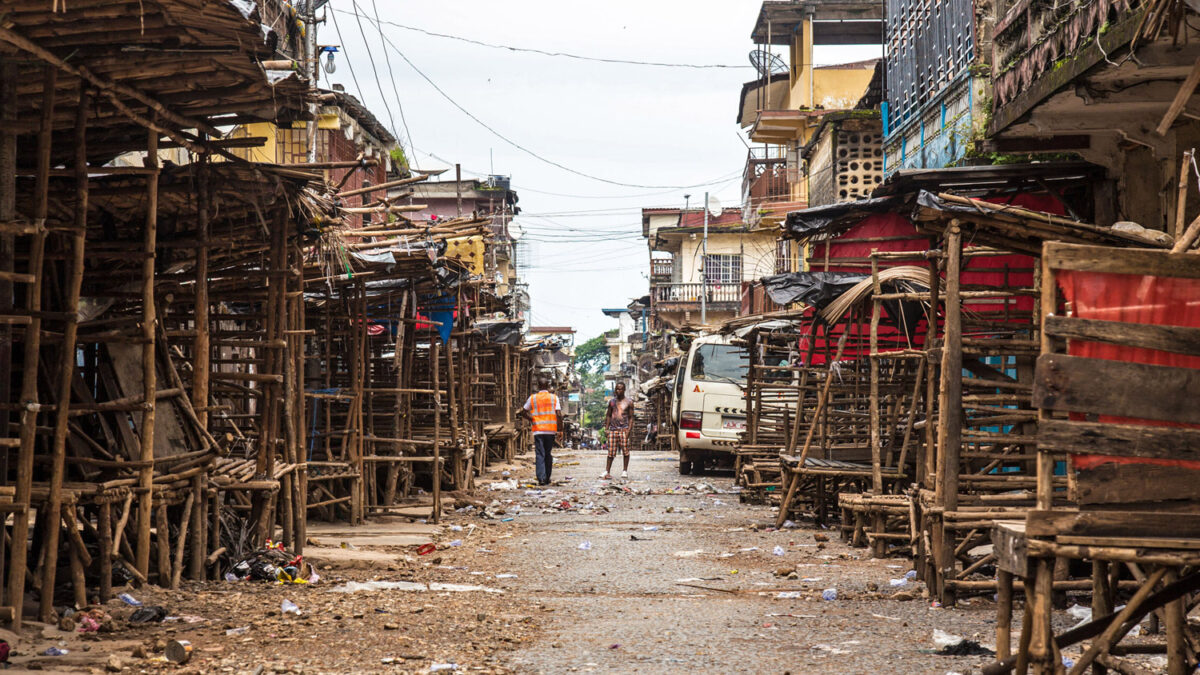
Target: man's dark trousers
543	445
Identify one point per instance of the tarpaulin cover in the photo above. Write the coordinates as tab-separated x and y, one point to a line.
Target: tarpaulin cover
1130	298
815	289
500	332
809	222
440	309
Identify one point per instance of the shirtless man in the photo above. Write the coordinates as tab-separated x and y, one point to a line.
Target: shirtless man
617	420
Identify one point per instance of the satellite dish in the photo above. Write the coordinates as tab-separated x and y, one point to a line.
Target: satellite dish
714	206
766	62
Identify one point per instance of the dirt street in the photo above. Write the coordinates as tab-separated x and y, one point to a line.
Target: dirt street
659	574
678	581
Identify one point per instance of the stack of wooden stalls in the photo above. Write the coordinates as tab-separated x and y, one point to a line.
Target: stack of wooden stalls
985	467
656	397
966	440
849	437
551	358
1114	386
138	443
502	388
393	374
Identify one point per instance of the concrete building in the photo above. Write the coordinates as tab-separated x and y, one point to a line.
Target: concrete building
689	284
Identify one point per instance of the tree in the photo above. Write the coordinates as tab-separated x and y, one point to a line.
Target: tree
591	359
592	356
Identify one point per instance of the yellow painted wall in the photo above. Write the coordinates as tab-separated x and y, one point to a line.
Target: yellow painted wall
833	88
266	153
757	250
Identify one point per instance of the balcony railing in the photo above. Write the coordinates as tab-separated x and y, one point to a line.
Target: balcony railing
690	293
765	178
661	269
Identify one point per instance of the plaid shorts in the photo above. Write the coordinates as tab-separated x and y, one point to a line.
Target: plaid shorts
618	438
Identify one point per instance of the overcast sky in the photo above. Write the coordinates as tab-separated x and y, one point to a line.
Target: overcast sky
636	125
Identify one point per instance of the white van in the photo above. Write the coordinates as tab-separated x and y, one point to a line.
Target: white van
708	407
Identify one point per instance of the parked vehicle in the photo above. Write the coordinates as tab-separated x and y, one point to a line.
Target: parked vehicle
708	407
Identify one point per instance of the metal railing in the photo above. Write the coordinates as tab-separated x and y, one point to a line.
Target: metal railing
679	293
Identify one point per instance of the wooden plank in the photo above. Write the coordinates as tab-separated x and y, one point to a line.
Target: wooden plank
1175	339
1120	388
1140	261
1136	484
1131	542
1120	440
1008	543
1182	95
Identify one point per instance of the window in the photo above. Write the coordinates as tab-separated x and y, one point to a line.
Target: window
783	256
722	268
719	362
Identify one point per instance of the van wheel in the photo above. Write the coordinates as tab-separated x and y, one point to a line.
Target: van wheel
685	466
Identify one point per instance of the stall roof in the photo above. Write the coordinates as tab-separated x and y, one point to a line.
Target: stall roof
975	180
192	64
1019	229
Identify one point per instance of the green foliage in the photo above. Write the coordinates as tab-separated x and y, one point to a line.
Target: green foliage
399	159
592	356
594	402
591	359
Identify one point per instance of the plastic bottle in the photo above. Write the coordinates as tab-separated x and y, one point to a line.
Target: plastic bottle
130	600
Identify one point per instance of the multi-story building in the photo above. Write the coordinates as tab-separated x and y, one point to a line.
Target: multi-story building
492	198
346	131
696	279
785	105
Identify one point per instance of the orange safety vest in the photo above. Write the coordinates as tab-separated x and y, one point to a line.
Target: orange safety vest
542	410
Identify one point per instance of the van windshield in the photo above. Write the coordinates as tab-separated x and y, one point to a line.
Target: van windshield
719	362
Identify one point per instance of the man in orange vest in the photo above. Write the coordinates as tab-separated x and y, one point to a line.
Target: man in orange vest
545	412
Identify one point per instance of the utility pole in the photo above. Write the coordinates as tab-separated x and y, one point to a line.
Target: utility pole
704	267
312	60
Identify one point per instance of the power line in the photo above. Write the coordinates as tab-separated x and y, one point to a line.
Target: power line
719	182
391	75
543	52
353	76
516	145
366	45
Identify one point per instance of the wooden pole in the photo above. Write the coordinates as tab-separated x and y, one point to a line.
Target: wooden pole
876	435
29	374
1181	196
201	364
105	524
434	348
951	412
66	372
149	374
299	482
8	212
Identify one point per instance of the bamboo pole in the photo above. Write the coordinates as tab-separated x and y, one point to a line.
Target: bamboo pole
66	373
385	186
29	375
149	374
